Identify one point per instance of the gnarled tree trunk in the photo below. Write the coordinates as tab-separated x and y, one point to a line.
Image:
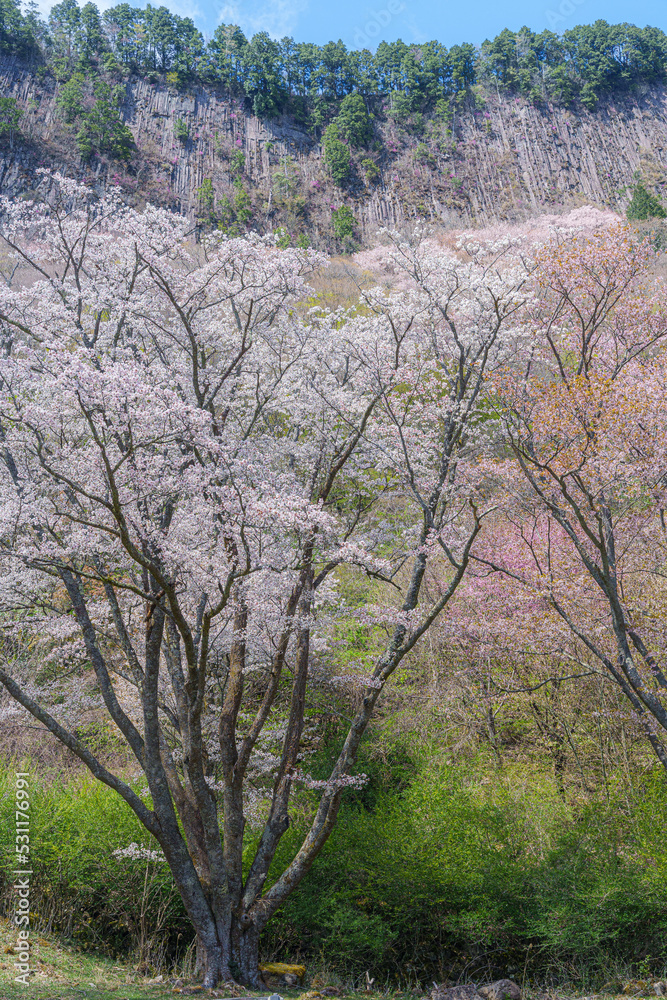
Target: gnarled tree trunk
229	954
245	953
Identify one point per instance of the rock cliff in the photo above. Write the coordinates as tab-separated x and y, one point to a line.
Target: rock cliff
496	159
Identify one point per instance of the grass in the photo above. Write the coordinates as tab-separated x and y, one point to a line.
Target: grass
65	973
503	855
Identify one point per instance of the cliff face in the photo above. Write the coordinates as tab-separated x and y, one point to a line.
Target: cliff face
502	159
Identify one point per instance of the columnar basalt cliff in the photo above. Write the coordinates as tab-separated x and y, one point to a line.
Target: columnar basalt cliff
495	158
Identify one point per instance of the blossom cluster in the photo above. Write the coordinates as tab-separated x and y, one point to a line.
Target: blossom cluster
135	852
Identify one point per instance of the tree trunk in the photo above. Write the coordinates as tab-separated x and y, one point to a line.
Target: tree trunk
234	958
245	955
212	960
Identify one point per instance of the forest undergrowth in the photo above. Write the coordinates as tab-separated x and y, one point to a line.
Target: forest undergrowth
471	853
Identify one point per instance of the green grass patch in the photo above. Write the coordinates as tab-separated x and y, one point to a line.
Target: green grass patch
436	870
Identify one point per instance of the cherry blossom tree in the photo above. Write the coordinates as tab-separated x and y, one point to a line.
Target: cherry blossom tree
582	547
189	457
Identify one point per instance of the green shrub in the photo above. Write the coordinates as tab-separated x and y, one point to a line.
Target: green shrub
353	120
453	866
103	130
10	116
443	114
400	106
423	154
70	98
644	205
235	213
285	239
430	864
206	201
343	223
337	155
589	96
237	163
242	204
79	887
371	171
60	67
181	130
112	67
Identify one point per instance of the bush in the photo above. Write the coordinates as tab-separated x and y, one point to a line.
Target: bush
242	204
589	96
644	205
206	201
235	213
181	130
103	129
337	155
70	98
371	171
112	67
443	114
423	154
453	867
400	106
430	865
237	163
343	223
10	115
78	887
353	120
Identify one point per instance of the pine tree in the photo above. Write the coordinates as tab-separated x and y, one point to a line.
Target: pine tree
353	120
644	205
336	154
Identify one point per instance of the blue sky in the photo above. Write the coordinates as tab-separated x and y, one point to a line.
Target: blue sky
364	23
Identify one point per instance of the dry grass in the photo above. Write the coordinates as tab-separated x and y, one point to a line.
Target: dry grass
63	973
338	285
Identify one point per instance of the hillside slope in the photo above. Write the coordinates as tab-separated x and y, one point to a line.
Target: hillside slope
493	159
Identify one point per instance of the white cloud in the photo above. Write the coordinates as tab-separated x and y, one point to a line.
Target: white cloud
182	9
419	36
277	17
